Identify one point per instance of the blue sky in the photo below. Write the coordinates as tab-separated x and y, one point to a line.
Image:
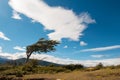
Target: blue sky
87	30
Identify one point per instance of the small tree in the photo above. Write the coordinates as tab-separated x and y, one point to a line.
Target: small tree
42	45
99	66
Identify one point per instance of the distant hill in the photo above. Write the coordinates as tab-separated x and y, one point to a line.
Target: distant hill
41	62
3	60
22	61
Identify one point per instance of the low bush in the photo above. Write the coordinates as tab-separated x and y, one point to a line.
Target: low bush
99	66
74	67
30	66
44	69
19	74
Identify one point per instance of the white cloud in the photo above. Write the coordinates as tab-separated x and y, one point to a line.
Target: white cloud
16	15
65	46
12	56
0	49
101	48
19	48
49	58
65	23
2	36
82	43
97	56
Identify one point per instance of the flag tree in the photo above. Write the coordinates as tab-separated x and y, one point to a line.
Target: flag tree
41	46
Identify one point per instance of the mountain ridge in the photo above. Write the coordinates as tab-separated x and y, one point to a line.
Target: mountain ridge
22	61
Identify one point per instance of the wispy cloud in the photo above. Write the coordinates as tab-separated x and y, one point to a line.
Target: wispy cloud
65	46
45	57
82	43
97	56
0	49
19	48
2	36
16	15
54	59
101	48
64	22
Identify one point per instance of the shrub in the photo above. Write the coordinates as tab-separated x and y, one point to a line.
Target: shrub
118	66
99	66
47	69
19	74
74	67
27	67
30	67
5	67
111	67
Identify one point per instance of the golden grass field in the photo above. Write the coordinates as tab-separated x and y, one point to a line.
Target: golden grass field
70	72
103	74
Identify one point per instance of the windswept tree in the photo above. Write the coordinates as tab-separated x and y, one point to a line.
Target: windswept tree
41	46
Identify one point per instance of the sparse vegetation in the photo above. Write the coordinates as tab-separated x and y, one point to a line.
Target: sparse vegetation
99	66
63	72
74	67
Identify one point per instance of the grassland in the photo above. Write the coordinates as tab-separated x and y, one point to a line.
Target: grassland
32	71
103	74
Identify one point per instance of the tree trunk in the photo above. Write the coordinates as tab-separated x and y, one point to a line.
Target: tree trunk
27	59
28	56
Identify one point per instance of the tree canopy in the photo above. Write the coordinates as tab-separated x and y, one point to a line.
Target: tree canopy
41	46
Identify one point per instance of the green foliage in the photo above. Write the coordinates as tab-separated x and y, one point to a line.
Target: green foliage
5	67
74	67
99	66
111	67
45	69
2	68
19	74
118	66
30	66
27	67
33	62
40	46
51	65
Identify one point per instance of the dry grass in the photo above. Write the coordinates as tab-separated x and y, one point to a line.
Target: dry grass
59	73
103	74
